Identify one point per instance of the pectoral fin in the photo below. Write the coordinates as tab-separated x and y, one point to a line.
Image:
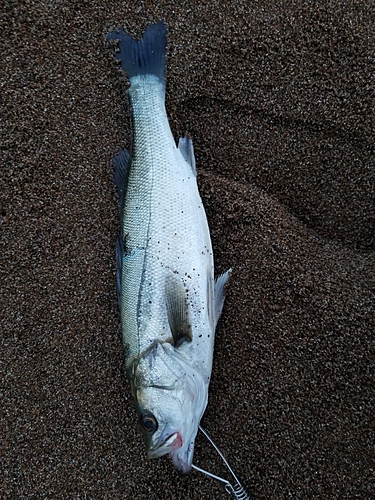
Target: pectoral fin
178	311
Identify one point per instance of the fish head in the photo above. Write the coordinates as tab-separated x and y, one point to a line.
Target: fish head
170	397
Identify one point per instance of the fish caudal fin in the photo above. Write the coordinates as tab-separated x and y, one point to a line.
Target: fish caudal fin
220	293
144	57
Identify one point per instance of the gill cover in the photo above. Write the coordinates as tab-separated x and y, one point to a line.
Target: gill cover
165	386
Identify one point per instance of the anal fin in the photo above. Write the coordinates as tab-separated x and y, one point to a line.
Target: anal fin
185	145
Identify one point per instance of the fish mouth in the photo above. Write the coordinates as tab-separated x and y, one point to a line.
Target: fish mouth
180	453
172	443
182	459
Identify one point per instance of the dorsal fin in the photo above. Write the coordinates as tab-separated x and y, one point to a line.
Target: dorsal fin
119	257
122	166
178	311
120	177
185	145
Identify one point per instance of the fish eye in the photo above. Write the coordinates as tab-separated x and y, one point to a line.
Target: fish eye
148	422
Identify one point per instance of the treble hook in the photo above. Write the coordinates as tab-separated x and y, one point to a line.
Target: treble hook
237	490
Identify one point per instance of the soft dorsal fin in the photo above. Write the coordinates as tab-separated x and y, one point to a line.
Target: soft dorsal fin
185	145
178	311
220	293
122	166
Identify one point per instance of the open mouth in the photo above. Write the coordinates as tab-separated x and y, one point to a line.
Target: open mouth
172	442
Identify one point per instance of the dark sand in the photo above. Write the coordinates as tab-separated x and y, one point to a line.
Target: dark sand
279	99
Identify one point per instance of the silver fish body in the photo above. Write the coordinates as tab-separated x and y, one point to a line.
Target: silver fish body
168	298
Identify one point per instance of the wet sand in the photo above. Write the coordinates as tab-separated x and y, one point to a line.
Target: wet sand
279	100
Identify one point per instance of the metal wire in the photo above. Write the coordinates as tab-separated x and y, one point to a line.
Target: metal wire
237	490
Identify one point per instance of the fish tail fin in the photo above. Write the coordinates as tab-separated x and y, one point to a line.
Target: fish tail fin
144	57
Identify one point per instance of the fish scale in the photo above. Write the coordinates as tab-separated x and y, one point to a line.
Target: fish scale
168	298
164	224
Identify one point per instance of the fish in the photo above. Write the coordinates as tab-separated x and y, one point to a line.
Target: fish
169	300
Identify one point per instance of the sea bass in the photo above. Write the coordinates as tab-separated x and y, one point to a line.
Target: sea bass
169	301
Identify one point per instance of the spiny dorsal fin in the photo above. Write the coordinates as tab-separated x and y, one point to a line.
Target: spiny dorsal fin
119	257
220	293
185	145
178	311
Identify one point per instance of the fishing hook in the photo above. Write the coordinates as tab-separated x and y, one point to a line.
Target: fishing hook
237	490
